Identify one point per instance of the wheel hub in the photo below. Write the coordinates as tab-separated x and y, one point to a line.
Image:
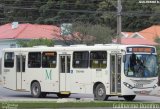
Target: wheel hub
35	90
100	92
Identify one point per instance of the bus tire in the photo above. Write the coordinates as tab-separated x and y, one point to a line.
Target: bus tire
129	97
100	93
63	95
36	90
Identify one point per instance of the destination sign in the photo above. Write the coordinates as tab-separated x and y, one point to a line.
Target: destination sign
141	49
49	53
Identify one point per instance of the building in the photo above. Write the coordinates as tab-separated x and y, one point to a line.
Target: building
150	33
146	36
12	32
139	41
126	34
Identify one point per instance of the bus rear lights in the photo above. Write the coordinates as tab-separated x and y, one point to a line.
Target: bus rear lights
128	85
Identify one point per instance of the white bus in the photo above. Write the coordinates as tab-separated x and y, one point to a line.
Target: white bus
102	70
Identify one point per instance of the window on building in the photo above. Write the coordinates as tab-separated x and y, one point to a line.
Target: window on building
80	59
49	59
98	59
34	60
12	45
9	60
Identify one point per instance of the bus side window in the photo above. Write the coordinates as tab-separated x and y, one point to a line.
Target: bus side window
9	60
49	59
98	59
80	59
34	60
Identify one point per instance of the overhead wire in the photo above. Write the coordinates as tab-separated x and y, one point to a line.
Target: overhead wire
127	13
124	13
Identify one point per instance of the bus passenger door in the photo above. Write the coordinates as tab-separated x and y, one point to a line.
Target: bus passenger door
20	70
64	72
115	70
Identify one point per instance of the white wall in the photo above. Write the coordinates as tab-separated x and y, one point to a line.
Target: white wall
7	44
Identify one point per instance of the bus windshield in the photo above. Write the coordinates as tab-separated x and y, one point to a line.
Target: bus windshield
141	65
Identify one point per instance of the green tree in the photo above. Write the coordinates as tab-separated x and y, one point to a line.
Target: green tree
135	15
108	15
155	19
21	10
35	42
87	33
157	39
158	55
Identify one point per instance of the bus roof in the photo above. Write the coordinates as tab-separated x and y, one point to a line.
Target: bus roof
75	47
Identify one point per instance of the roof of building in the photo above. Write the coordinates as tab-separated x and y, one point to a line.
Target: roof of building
126	34
150	33
141	41
29	31
35	31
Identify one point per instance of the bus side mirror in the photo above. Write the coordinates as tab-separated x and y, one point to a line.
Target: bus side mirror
124	58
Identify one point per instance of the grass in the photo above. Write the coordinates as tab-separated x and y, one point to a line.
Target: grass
50	104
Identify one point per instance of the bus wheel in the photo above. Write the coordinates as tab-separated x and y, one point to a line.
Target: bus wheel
36	90
129	97
63	95
100	93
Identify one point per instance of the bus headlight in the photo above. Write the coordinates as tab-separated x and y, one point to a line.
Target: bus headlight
128	85
154	86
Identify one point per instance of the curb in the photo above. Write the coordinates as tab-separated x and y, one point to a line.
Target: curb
63	100
60	100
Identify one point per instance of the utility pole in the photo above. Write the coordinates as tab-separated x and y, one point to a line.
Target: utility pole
119	25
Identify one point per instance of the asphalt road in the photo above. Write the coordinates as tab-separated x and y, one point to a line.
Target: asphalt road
6	94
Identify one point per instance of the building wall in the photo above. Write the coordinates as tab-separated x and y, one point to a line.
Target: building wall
7	44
